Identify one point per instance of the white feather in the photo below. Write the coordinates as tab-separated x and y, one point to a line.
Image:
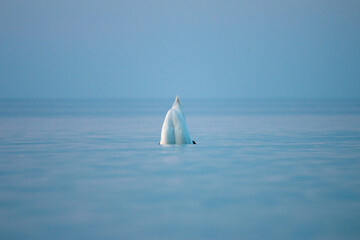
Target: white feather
174	129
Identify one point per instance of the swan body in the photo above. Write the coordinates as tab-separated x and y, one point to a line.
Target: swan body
174	129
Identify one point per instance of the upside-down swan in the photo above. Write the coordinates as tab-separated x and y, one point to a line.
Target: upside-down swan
174	129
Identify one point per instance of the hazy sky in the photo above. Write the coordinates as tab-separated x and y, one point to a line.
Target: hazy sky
197	49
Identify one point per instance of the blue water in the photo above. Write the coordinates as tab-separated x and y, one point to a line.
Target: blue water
261	169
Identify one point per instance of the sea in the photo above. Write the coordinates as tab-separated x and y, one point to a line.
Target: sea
260	169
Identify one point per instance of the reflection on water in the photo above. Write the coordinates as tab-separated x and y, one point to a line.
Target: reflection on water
260	169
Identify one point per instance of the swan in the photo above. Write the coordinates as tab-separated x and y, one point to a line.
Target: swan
174	129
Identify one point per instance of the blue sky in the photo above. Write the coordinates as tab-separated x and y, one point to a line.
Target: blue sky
197	49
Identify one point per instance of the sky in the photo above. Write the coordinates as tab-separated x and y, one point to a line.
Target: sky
196	49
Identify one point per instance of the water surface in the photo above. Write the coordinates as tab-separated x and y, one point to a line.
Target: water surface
261	169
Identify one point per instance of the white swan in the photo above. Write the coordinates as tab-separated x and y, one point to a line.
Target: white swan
174	129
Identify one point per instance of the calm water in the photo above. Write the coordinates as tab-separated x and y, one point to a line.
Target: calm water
262	169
